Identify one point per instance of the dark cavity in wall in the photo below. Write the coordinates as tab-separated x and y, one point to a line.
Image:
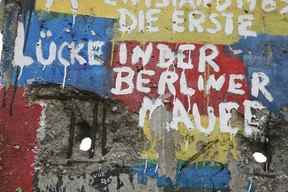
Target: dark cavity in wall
71	115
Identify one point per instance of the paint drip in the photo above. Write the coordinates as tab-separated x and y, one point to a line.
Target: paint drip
49	4
65	62
64	77
189	103
74	8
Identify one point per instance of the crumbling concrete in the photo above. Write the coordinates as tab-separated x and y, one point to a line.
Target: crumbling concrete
246	173
59	159
109	169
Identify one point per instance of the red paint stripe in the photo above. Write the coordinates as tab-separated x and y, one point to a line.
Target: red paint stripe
17	140
229	64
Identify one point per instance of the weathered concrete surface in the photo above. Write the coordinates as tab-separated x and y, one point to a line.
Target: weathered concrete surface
272	141
70	115
166	139
112	171
118	141
9	26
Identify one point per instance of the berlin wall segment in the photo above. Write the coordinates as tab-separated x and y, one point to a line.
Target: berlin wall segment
169	92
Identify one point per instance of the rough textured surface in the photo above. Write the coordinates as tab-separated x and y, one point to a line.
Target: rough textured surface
270	176
19	121
40	139
112	171
59	162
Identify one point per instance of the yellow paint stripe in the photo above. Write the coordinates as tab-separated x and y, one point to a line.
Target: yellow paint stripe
189	142
269	23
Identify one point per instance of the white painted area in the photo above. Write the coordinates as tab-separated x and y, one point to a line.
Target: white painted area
235	51
178	21
228	29
252	4
141	81
42	34
284	10
234	86
214	83
184	89
95	52
180	116
205	58
259	157
42	123
138	53
181	56
74	7
245	23
40	55
223	6
225	116
167	79
251	122
268	5
148	105
196	18
189	104
200	83
211	119
124	76
94	48
110	2
75	53
217	24
19	58
162	3
123	53
49	34
125	18
85	144
142	22
151	19
166	56
183	3
259	82
146	166
63	61
49	4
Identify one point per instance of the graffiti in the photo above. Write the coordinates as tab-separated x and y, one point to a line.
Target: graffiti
190	73
102	179
64	54
222	22
169	73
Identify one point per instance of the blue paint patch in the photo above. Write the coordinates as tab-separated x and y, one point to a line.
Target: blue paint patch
206	175
268	54
89	76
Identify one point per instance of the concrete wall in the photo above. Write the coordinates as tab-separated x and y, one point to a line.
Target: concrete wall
169	95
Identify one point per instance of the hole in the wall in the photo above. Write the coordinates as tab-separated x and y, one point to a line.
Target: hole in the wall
259	157
85	144
83	130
